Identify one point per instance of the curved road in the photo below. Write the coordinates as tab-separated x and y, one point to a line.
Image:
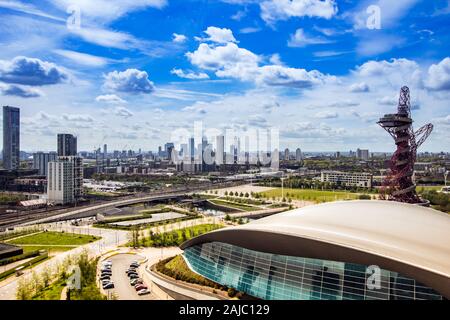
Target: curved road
110	240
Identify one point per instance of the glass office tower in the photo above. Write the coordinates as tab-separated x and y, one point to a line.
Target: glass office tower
11	138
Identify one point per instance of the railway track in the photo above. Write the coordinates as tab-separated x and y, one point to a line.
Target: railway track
11	219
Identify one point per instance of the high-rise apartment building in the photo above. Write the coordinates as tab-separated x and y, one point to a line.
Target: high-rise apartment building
41	160
362	154
65	180
298	154
286	154
67	145
11	138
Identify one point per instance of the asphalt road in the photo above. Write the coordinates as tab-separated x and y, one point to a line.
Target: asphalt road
110	240
122	287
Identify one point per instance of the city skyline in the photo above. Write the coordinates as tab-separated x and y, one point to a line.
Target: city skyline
323	79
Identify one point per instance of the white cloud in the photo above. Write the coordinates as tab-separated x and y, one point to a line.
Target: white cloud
179	38
31	71
388	100
131	81
123	112
230	61
189	75
106	10
326	115
106	38
218	35
301	39
439	76
83	58
110	98
19	91
273	10
249	30
398	72
359	87
78	117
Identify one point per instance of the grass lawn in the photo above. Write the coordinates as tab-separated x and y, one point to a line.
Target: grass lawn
234	205
178	265
428	188
54	238
50	249
310	195
52	292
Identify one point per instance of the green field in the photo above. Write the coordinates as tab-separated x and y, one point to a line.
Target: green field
49	248
309	195
55	239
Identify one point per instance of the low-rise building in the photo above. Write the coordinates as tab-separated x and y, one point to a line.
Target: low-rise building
356	179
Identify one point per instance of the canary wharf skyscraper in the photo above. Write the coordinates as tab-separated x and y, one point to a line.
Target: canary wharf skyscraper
67	145
11	138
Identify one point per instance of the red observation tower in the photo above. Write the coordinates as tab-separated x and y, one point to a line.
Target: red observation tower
399	185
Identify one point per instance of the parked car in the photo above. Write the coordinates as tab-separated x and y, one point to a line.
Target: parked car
143	292
133	276
130	270
140	287
108	286
106	273
134	282
105	277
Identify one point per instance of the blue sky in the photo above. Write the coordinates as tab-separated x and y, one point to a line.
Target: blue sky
131	72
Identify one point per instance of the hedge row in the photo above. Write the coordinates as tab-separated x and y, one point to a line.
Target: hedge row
27	255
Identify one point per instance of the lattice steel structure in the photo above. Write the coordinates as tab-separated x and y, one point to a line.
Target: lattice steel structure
399	185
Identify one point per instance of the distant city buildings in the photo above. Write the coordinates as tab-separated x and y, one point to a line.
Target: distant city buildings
11	138
67	145
41	160
355	179
286	154
362	154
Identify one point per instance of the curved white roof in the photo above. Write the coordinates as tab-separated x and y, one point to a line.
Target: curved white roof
403	232
408	234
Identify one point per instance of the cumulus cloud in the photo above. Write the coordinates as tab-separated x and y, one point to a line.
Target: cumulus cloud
273	10
179	38
218	35
359	87
326	115
231	61
31	71
439	76
110	98
19	91
189	74
78	117
123	112
388	100
131	81
396	71
301	39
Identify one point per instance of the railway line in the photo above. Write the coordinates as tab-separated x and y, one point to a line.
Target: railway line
11	219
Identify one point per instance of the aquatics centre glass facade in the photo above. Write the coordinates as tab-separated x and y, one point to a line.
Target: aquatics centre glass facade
277	277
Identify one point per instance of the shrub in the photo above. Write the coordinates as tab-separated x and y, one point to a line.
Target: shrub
231	292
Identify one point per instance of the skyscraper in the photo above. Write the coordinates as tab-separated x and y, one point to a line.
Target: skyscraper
105	150
220	145
298	154
41	160
11	138
67	145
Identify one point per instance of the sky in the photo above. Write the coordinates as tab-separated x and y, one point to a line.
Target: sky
130	73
